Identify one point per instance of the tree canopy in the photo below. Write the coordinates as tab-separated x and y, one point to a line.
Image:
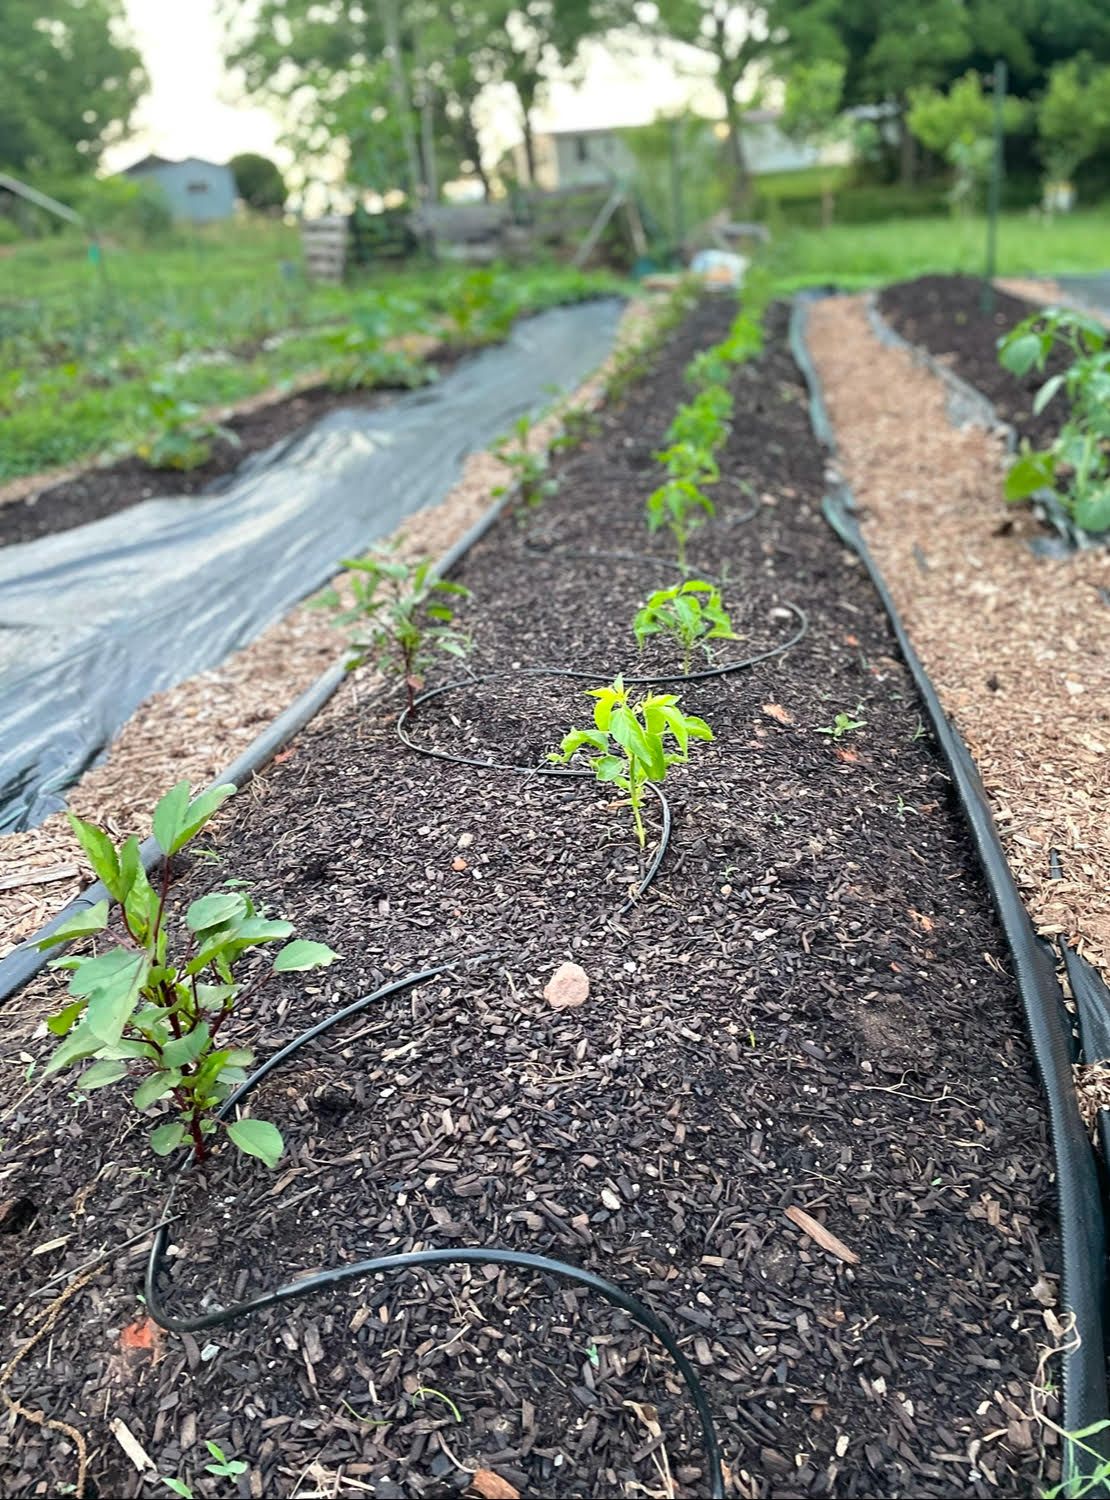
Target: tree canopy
258	181
71	83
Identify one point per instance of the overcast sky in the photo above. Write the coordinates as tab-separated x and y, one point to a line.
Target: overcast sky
191	109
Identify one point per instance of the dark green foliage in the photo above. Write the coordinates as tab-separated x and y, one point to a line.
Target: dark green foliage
149	1009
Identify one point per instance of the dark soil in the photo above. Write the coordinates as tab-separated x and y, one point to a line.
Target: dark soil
100	492
812	1007
943	314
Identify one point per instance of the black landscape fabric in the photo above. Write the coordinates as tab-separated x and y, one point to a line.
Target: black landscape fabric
94	619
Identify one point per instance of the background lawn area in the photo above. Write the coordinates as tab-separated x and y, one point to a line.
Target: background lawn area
861	255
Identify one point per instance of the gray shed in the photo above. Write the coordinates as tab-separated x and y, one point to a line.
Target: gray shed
198	190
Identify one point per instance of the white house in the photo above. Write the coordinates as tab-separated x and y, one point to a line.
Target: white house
587	158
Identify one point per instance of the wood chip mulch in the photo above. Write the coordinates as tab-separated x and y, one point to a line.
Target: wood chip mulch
1017	645
796	1111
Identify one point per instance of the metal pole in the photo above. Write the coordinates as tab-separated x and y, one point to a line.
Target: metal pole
678	215
994	197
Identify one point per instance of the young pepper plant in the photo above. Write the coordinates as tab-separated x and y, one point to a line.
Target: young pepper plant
529	469
690	613
407	622
1075	467
151	1010
628	745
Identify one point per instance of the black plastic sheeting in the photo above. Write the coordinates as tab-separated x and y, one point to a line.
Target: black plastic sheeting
95	619
21	965
1082	1220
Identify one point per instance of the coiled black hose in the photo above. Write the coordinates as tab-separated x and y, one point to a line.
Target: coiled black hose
305	1286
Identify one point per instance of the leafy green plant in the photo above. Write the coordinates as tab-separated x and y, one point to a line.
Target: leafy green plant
481	310
710	367
401	604
224	1467
703	422
843	724
628	745
182	436
579	423
529	469
148	1010
679	502
370	367
1075	467
691	614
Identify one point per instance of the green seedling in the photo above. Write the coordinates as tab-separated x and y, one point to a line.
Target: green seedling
422	1393
710	367
681	506
1075	467
843	724
691	614
155	1012
529	469
181	435
401	606
688	461
628	745
703	422
579	424
224	1467
178	1486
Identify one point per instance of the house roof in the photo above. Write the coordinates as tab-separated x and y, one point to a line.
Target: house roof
151	162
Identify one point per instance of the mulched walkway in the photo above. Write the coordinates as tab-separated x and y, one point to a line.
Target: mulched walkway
812	1009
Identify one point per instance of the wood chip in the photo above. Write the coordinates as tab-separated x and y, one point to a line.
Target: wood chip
488	1485
824	1237
130	1444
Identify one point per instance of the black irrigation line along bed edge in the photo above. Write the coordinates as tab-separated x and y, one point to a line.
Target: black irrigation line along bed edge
1083	1228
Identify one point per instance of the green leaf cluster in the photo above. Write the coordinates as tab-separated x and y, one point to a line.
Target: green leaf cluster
143	1012
631	743
180	436
530	470
1075	467
690	613
401	607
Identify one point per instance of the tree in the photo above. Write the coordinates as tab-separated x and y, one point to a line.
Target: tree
70	83
1073	116
398	83
958	126
735	37
258	181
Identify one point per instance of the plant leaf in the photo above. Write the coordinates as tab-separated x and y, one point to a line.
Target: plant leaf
258	1138
214	910
111	1004
303	955
94	919
99	849
156	1087
166	1138
185	1049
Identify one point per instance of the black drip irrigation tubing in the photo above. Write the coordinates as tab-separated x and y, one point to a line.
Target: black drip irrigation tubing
522	1260
26	961
1083	1232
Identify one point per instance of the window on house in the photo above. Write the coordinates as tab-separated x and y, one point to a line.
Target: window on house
197	187
581	148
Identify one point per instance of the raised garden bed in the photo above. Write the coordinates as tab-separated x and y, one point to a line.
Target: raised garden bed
811	1009
945	316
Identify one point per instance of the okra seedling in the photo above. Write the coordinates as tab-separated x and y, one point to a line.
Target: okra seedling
152	1009
628	745
402	606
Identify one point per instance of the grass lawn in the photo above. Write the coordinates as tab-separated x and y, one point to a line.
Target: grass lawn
215	315
860	255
